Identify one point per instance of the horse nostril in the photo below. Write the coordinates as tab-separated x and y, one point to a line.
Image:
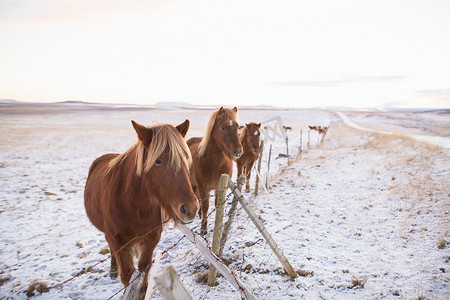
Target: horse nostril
183	209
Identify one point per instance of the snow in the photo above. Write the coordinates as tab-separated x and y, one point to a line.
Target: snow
363	212
435	140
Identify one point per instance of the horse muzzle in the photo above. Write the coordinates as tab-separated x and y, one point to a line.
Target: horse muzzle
185	214
236	153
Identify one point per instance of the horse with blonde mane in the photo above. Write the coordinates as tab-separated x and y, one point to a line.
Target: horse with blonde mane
249	138
213	156
131	196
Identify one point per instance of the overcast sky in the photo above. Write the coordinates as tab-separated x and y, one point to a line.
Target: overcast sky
360	53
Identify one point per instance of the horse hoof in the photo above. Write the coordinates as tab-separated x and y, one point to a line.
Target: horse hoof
247	190
203	232
113	275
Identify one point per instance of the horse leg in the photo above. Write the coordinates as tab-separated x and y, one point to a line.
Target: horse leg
145	260
113	270
204	199
248	174
239	169
123	257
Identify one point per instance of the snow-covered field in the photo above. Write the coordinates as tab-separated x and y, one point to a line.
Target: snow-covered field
364	215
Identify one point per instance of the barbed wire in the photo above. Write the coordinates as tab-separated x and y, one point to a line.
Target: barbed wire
240	220
85	270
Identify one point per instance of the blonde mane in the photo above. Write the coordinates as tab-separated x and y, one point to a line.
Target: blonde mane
229	113
164	136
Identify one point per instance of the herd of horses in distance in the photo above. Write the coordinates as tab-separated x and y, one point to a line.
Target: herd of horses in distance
130	196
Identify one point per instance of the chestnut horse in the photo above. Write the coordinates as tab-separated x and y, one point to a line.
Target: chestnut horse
212	156
249	139
130	196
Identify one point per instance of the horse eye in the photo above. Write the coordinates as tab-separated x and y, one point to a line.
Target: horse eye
223	128
158	162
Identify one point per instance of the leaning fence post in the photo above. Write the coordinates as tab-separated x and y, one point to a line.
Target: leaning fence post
170	285
221	195
262	229
261	148
151	277
231	212
133	288
200	244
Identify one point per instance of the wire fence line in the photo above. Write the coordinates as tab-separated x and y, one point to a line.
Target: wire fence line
239	222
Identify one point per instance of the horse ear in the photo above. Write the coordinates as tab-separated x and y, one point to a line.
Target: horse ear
259	125
220	110
183	127
144	134
235	109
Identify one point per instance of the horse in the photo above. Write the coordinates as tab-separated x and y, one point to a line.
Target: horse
130	196
213	156
249	139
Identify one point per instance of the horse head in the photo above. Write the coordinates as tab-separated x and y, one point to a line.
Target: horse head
252	135
225	132
165	161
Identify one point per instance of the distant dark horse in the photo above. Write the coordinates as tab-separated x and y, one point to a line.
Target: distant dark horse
249	138
212	156
130	196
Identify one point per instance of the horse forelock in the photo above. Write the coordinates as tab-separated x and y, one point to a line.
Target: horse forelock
230	116
164	136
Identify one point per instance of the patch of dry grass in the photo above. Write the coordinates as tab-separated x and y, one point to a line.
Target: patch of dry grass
36	286
442	243
358	283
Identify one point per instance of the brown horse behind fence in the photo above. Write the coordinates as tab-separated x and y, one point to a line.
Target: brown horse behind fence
212	156
130	196
249	138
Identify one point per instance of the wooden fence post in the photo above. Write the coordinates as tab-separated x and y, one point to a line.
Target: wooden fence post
261	149
217	262
287	148
231	213
170	285
221	195
268	167
132	290
151	277
262	229
301	142
309	139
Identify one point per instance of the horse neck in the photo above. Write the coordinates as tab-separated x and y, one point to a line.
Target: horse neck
132	184
244	141
214	150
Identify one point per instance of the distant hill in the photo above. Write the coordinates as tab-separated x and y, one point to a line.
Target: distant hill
173	103
75	102
8	101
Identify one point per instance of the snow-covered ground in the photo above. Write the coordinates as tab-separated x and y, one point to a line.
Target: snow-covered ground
365	215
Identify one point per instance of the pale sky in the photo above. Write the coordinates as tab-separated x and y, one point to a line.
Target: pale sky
359	53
